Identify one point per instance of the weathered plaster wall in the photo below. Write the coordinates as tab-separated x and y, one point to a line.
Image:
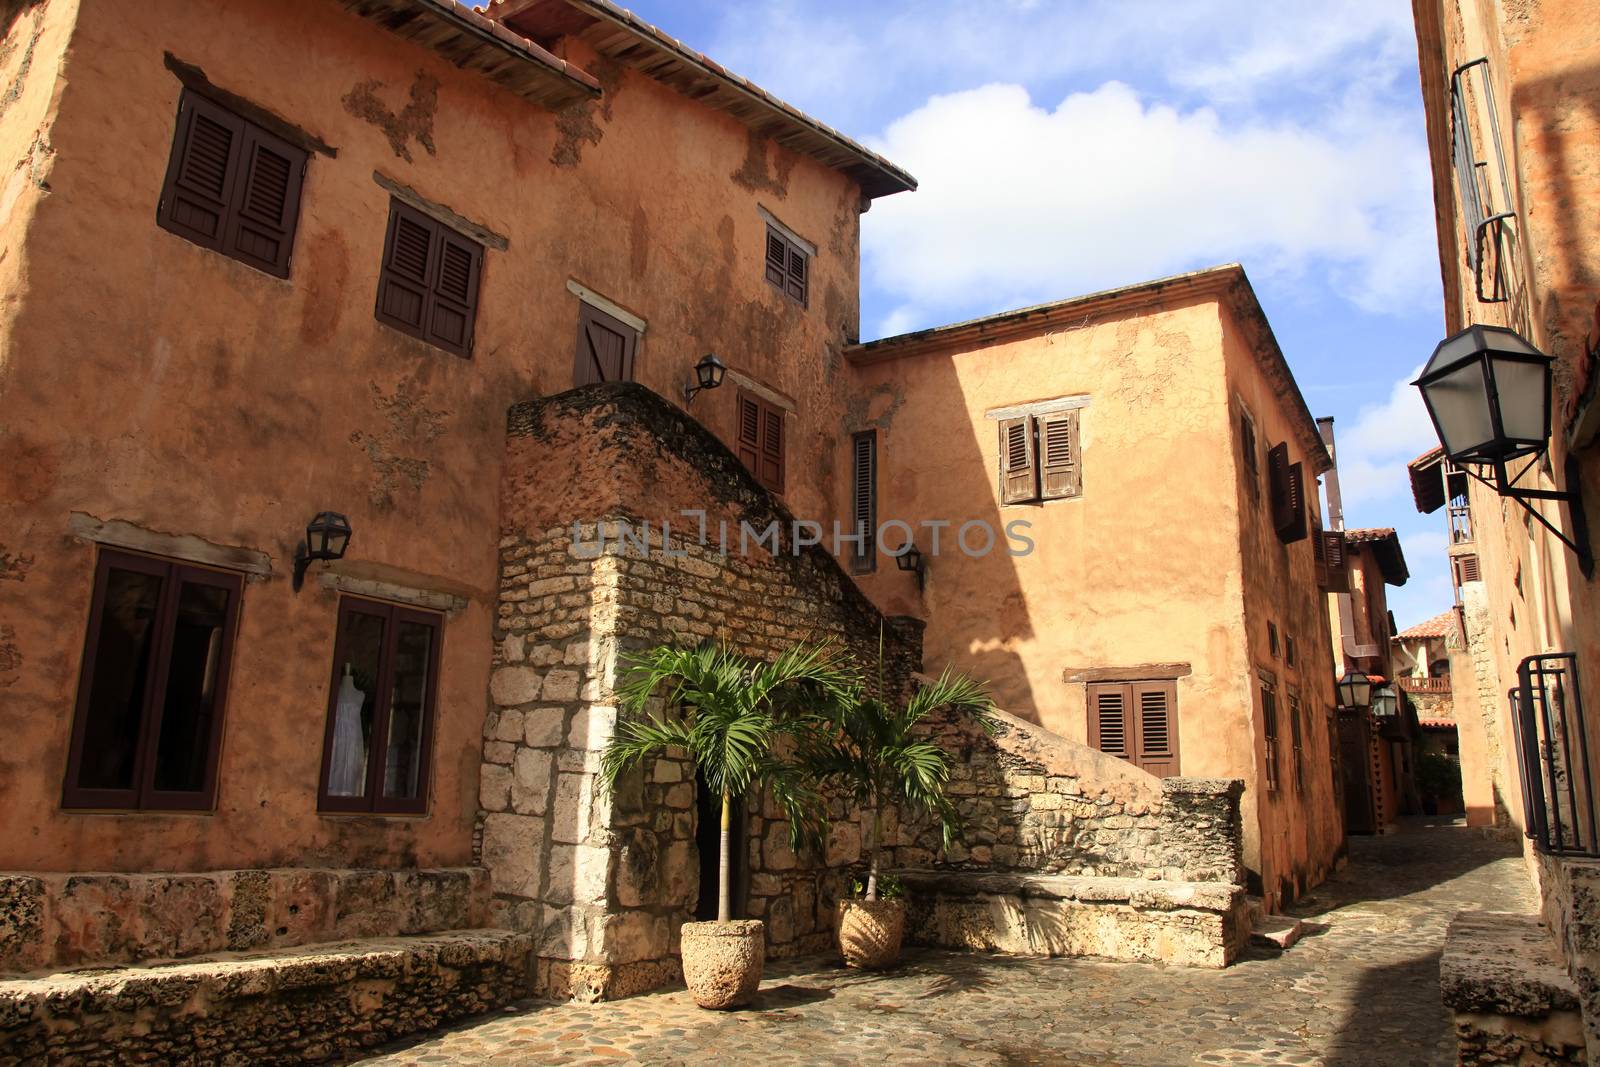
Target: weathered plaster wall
167	386
606	879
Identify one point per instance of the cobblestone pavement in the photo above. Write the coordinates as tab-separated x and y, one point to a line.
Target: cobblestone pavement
1361	988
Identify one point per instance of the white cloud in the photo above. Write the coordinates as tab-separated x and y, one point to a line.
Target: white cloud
1108	188
1373	451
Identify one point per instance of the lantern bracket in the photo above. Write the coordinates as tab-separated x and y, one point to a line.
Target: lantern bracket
1506	486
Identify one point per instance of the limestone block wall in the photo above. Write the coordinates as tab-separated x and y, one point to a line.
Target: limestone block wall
54	920
1033	801
597	560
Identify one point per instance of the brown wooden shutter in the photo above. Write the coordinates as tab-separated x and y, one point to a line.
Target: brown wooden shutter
1247	444
777	258
1466	568
788	266
429	282
606	347
1155	706
1060	472
1293	528
1019	473
1278	484
749	432
1338	562
1319	554
771	470
261	230
798	270
203	171
1111	728
864	499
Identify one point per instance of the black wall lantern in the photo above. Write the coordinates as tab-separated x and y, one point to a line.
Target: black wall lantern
708	374
1355	689
327	536
1487	390
909	558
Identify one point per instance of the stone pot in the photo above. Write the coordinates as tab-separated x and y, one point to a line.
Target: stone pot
870	932
722	961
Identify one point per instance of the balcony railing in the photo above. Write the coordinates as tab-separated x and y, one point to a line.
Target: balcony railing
1426	685
1553	756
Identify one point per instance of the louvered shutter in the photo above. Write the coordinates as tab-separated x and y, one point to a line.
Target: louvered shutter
777	259
1111	728
267	202
1278	484
1155	721
1019	476
864	498
1293	526
771	470
1338	562
798	268
1059	470
203	171
406	283
455	291
1319	553
1467	569
749	433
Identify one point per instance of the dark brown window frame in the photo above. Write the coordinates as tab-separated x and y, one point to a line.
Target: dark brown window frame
143	796
374	802
430	288
752	451
240	204
585	369
864	501
791	277
1296	741
1269	733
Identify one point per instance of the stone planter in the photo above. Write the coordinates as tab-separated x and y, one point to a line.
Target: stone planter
722	961
870	932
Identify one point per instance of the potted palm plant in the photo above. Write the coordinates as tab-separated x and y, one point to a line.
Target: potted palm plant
735	712
871	749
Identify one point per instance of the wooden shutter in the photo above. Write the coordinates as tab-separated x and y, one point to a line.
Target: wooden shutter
1278	484
1111	728
864	499
1337	562
261	229
606	347
777	258
759	439
1269	724
1293	528
799	266
788	266
749	433
232	186
1155	707
770	473
1019	473
429	281
1247	444
1060	472
1466	568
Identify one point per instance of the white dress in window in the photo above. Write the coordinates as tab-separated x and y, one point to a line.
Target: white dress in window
347	772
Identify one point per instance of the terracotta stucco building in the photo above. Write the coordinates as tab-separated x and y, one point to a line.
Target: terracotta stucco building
1514	136
450	281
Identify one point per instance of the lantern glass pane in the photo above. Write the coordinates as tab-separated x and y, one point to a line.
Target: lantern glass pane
1524	398
336	540
1460	406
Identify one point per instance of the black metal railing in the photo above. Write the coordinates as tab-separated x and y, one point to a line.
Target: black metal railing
1553	756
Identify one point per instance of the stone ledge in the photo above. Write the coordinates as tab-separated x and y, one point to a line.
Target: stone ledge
310	1003
1136	892
1500	963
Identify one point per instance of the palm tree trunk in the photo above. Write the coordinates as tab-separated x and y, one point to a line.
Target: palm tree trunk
724	863
872	851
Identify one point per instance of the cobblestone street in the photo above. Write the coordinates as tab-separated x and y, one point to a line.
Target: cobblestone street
1361	988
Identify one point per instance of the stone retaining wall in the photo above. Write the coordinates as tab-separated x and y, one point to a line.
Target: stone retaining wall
50	921
1033	801
1503	978
605	881
326	1002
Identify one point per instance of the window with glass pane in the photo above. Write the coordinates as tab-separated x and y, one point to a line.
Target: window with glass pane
380	709
147	730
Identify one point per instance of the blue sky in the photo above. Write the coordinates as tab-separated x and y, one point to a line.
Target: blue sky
1065	146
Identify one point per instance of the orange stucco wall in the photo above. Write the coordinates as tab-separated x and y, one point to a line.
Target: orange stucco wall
1148	566
148	380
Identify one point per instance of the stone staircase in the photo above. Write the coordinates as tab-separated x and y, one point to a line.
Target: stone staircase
1273	931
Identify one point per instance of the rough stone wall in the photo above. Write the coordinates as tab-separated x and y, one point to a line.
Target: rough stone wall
304	1006
70	920
605	880
1031	801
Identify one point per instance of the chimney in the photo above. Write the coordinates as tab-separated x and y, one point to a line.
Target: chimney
1330	481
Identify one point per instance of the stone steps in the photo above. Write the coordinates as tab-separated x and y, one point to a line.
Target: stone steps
1273	931
309	1003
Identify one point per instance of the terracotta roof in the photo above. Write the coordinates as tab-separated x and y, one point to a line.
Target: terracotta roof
1385	549
620	35
475	43
1440	625
1227	281
1427	483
